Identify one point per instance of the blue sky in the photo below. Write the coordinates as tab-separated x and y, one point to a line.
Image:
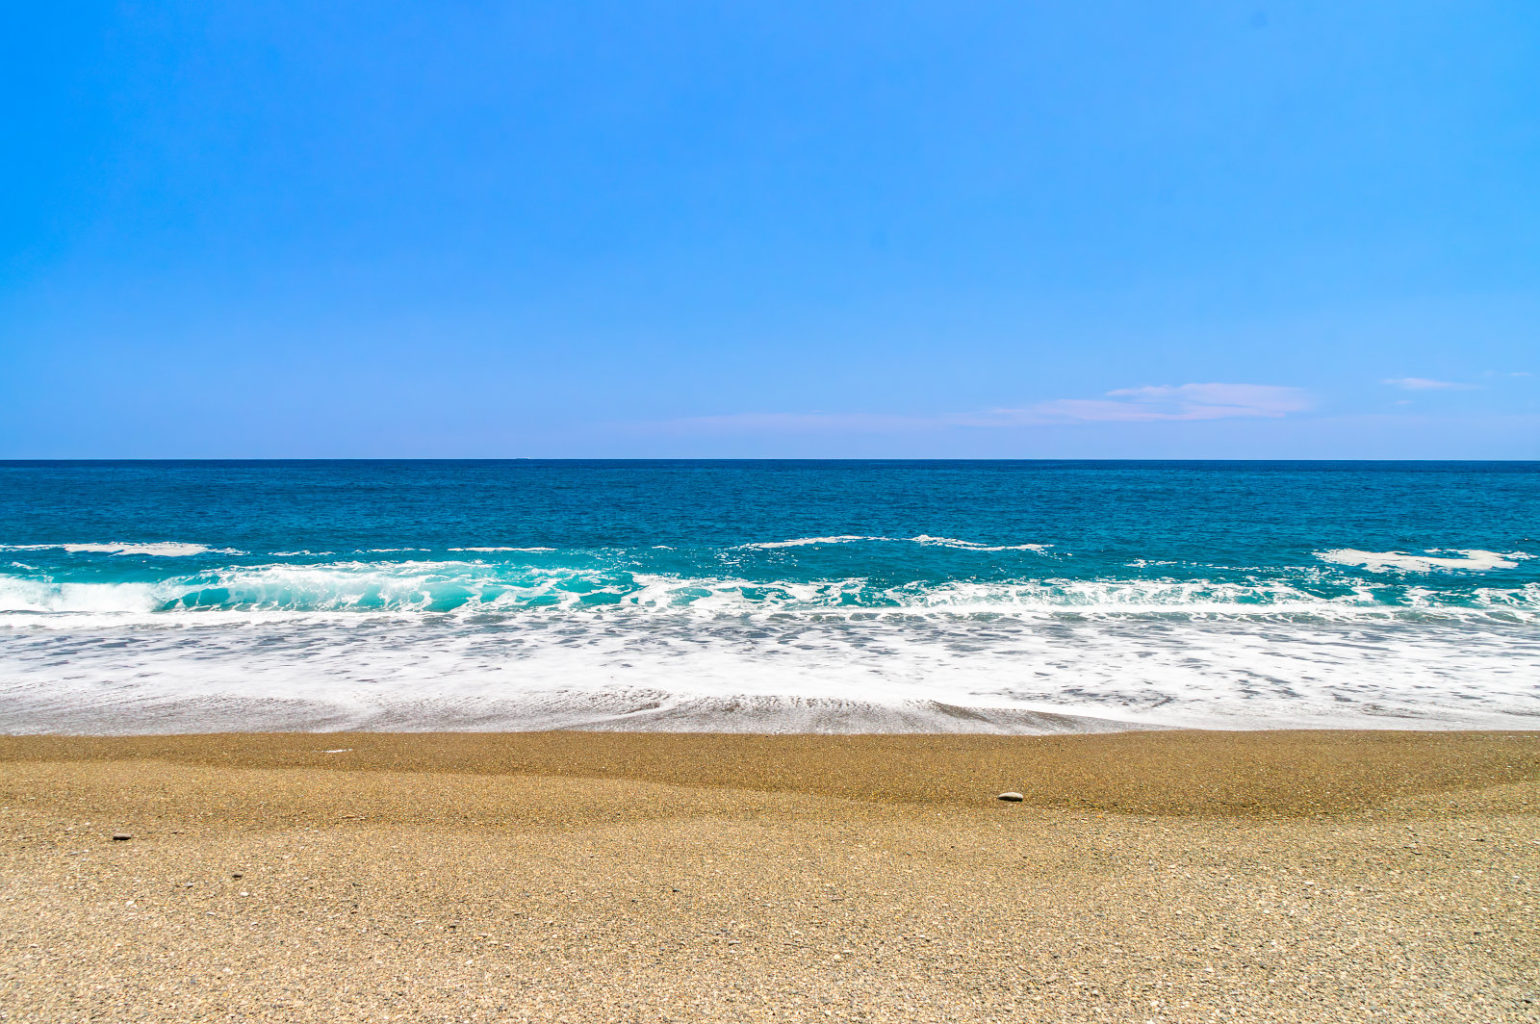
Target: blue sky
1016	229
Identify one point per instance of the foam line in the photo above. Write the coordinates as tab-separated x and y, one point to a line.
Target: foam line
161	549
1472	560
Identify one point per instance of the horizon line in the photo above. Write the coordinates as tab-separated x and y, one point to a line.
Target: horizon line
729	458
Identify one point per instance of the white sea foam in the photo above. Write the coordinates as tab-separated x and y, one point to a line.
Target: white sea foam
445	643
652	666
925	539
476	588
799	542
35	597
968	545
534	550
1472	560
161	549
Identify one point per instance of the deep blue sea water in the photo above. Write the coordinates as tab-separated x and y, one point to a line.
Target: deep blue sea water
741	595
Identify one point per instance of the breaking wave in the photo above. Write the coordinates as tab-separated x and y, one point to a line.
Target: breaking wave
837	632
493	588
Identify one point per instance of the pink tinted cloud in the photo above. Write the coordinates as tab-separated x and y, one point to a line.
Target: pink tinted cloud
1156	403
1168	402
1426	384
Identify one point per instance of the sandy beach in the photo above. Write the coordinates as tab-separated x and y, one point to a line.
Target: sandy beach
645	877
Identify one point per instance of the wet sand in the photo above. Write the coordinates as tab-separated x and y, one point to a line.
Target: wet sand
648	877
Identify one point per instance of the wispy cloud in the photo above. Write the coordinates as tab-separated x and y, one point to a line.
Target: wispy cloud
1167	402
1426	384
1149	404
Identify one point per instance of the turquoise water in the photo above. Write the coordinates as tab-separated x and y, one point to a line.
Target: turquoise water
140	596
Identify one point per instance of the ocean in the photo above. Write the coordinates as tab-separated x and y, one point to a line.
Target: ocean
767	596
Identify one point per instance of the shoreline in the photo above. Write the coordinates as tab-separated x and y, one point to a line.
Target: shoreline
567	876
32	711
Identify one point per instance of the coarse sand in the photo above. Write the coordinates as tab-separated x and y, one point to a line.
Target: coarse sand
1156	876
